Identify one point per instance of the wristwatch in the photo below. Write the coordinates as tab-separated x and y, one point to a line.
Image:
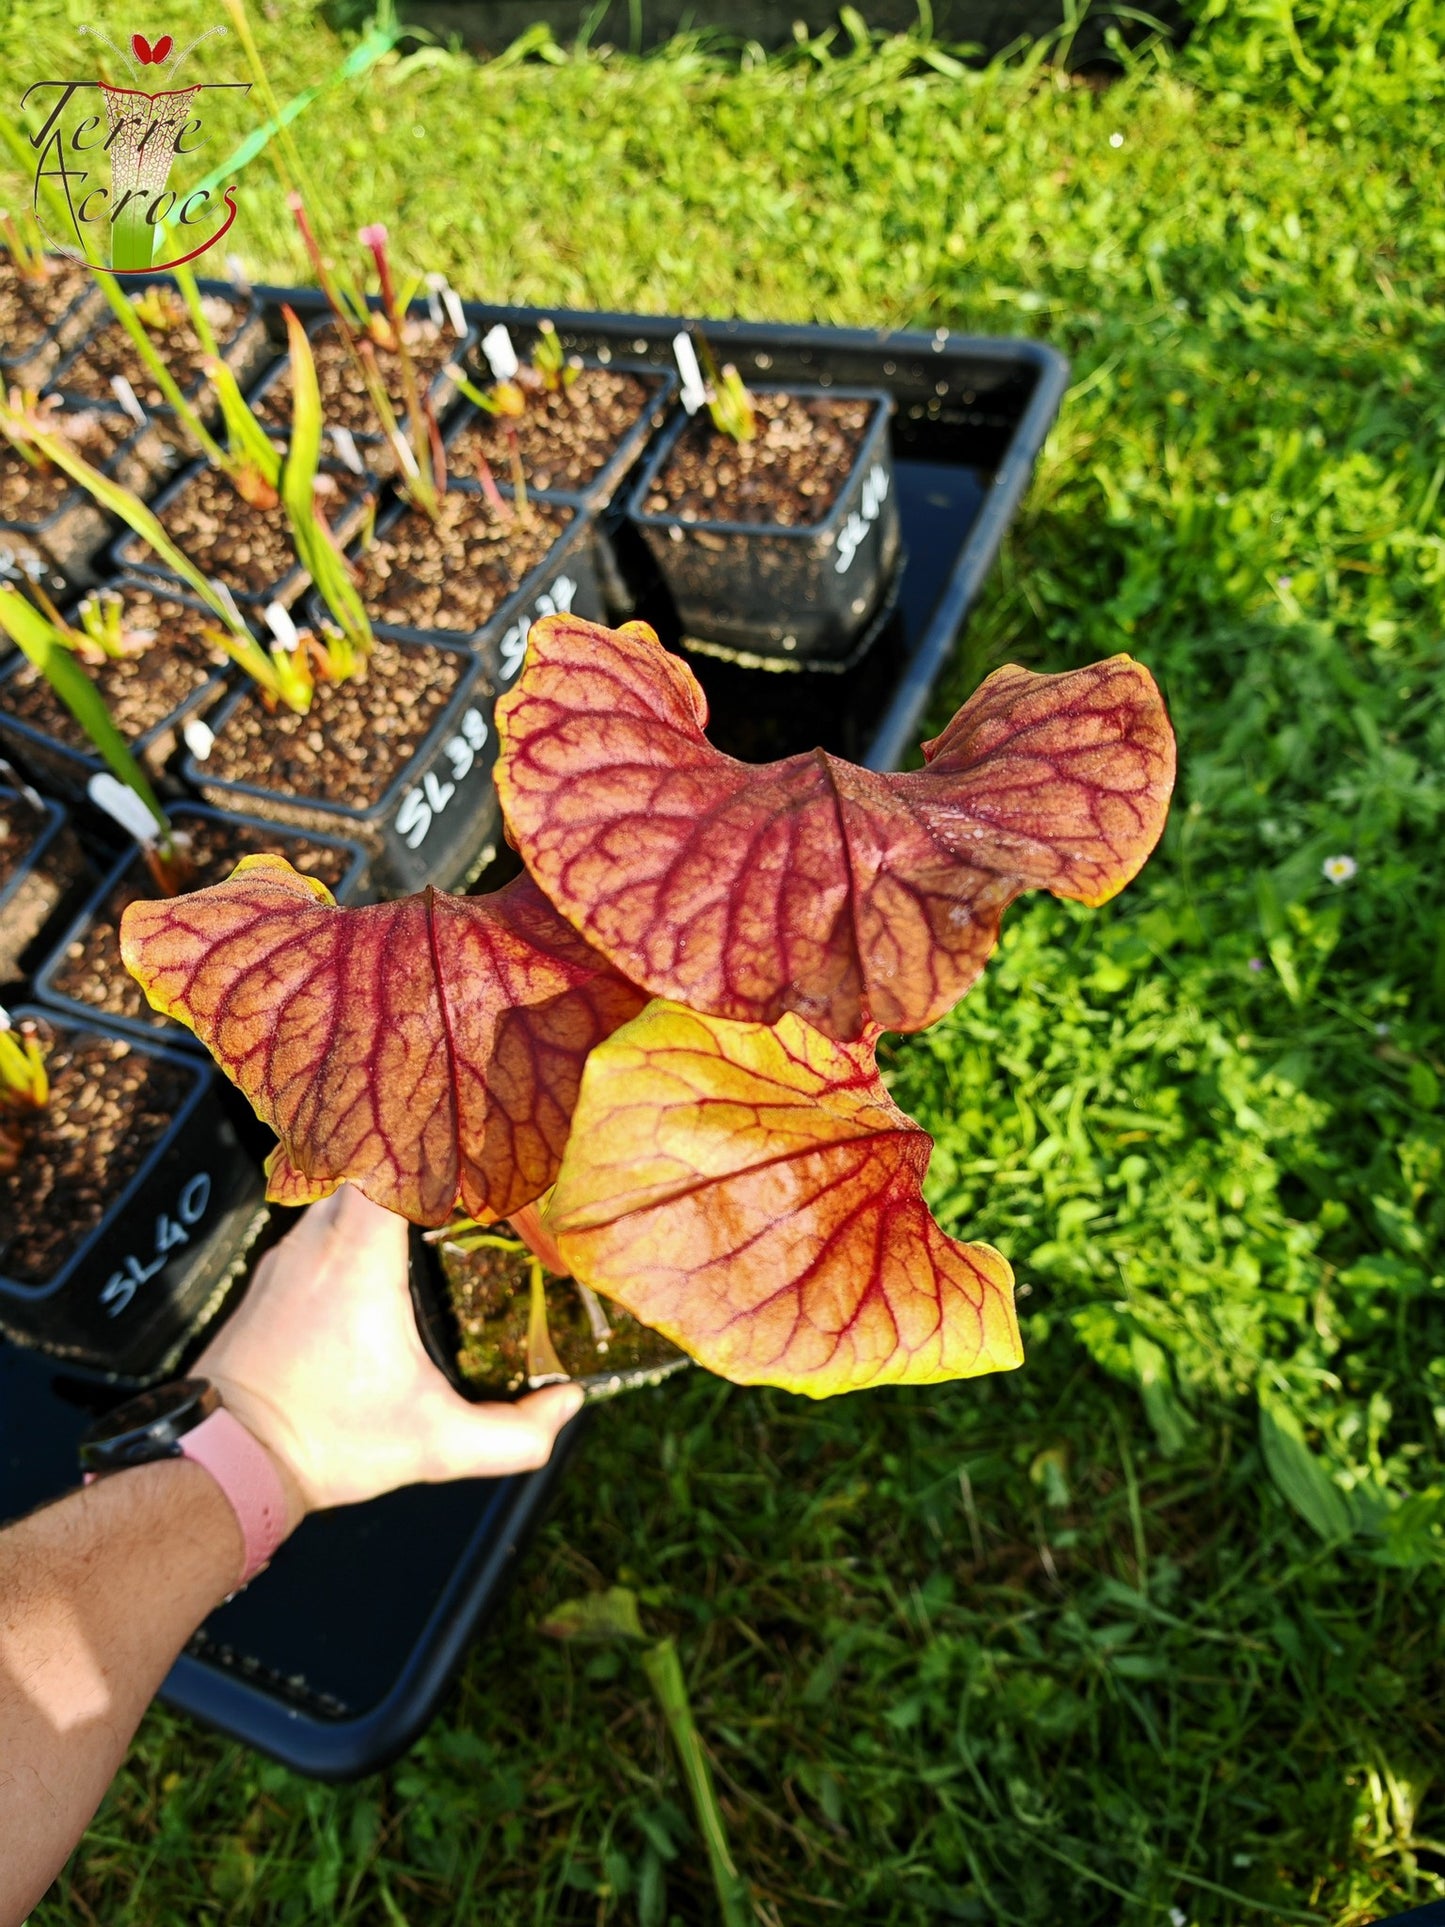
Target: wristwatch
186	1420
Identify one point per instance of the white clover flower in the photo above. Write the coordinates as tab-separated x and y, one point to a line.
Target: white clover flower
1116	140
1339	869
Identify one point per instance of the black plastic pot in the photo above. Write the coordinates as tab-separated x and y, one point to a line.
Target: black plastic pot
45	883
133	556
566	579
72	534
246	350
796	593
598	489
442	390
30	367
167	1246
130	869
436	822
66	771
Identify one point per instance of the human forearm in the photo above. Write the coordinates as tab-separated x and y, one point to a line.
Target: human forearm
98	1594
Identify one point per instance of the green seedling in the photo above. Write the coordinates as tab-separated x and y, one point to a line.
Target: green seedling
284	682
316	545
51	648
732	408
544	1367
24	1086
25	245
612	1617
551	372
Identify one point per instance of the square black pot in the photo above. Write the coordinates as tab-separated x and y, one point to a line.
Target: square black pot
133	556
246	350
44	884
30	366
436	822
597	490
65	771
565	580
775	591
442	389
72	534
352	888
164	1251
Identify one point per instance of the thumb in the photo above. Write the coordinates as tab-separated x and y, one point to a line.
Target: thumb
490	1441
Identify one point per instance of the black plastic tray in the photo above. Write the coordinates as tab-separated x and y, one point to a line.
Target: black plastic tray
338	1656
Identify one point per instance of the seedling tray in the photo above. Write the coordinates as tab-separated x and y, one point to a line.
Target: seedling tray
336	1658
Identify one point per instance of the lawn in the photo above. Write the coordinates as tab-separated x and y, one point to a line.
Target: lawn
1150	1631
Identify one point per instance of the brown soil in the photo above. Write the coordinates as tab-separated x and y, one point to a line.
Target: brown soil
491	1296
563	439
789	477
109	1104
109	352
250	549
344	400
31	493
453	573
140	691
28	308
93	973
356	738
19	827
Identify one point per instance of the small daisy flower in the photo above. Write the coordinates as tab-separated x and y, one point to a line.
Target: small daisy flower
1177	1917
1116	140
1339	869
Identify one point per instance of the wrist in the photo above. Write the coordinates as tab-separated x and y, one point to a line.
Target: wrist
270	1431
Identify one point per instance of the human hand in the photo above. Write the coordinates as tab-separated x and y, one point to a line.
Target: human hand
323	1362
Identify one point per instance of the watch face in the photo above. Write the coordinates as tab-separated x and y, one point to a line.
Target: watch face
148	1427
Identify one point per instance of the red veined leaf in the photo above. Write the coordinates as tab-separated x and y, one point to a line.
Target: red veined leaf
856	900
428	1050
755	1194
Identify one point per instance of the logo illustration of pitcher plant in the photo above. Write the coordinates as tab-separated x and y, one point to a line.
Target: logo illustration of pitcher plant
143	136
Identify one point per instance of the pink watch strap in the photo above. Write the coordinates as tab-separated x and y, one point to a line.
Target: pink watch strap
247	1475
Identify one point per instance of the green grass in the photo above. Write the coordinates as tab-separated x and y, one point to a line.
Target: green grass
1063	1647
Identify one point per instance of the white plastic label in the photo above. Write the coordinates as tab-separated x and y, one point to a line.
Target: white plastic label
128	399
694	391
452	302
278	621
501	355
236	269
434	285
109	794
344	442
199	737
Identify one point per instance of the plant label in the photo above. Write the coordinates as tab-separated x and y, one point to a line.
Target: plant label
133	1272
556	601
871	498
694	389
128	399
425	801
121	804
501	355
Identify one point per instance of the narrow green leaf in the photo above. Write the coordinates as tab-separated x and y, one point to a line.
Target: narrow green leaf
664	1673
155	363
298	492
133	512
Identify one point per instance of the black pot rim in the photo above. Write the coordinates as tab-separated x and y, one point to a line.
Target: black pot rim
673	432
201	1075
197	775
56	817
